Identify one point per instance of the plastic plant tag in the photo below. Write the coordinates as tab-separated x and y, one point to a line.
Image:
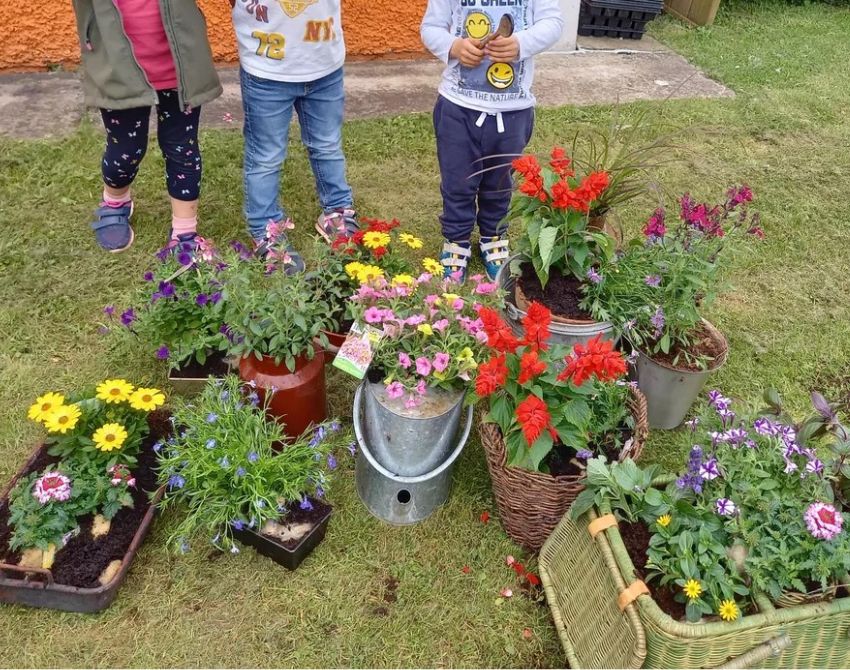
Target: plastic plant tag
356	352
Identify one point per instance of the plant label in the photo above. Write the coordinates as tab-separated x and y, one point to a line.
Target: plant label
357	351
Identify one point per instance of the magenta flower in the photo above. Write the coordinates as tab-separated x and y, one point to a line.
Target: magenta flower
431	300
374	315
395	390
441	360
440	325
411	402
421	387
823	521
52	486
415	320
655	228
404	360
423	366
458	304
486	288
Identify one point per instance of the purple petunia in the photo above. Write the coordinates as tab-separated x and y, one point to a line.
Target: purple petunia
148	276
184	258
128	316
653	280
215	298
764	426
584	454
202	299
594	276
163	353
709	470
109	310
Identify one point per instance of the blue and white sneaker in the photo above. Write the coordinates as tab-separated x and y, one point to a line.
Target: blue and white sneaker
112	227
455	259
494	252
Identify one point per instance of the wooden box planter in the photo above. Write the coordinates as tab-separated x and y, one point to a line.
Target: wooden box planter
191	379
39	587
585	576
532	503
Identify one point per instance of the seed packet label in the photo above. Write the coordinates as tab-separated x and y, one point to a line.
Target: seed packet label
355	354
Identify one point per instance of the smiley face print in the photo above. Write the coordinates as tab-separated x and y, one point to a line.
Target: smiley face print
500	75
478	25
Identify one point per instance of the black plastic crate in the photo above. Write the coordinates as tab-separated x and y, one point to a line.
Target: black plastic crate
617	18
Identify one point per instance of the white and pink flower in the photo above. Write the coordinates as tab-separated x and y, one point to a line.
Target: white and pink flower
52	486
823	520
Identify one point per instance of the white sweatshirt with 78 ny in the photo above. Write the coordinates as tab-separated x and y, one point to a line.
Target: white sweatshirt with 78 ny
490	87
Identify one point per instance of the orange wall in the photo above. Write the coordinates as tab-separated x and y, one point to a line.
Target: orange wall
39	34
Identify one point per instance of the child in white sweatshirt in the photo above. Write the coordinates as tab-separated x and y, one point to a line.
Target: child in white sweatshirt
484	114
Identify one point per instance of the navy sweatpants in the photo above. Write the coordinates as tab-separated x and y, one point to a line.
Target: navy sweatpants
463	148
177	133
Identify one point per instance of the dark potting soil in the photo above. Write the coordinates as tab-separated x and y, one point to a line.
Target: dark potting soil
562	294
216	366
81	562
306	516
636	538
705	347
376	375
561	460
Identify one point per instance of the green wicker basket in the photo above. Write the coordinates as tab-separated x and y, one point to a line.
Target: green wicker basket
583	578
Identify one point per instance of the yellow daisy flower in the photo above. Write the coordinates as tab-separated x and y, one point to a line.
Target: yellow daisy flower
375	240
403	280
728	610
692	589
114	390
432	266
664	520
44	405
369	273
425	329
147	400
109	436
62	419
353	268
410	240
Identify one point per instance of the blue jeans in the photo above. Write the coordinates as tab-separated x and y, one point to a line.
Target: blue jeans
268	109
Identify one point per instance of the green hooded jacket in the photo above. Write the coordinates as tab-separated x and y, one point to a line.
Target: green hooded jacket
113	79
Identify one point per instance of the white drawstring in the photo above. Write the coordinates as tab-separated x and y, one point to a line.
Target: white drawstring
500	122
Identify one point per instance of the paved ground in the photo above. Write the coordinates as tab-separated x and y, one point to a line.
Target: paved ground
602	71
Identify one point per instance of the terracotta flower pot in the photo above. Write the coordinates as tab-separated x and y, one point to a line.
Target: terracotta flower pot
299	398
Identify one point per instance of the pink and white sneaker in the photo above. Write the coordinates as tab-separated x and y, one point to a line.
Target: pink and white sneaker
339	222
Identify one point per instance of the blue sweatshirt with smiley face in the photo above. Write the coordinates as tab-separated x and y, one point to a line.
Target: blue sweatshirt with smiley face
490	87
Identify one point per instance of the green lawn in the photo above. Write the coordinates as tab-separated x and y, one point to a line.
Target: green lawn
788	321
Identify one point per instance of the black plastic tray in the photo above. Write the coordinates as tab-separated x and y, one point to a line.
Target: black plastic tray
616	18
288	558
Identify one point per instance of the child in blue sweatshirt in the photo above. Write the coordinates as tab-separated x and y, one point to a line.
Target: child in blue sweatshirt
484	114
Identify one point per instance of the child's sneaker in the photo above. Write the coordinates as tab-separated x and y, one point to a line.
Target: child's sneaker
112	227
455	259
494	252
276	246
341	221
191	243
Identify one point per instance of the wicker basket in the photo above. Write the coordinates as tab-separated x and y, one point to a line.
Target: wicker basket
532	503
577	570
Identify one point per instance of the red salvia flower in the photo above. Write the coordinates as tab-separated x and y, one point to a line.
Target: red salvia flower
597	359
530	366
565	198
592	186
533	186
533	417
560	163
527	166
491	376
499	334
536	323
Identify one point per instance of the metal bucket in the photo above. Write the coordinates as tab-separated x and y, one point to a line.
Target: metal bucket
567	334
669	392
404	442
394	498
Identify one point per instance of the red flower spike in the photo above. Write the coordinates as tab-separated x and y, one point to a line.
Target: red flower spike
565	198
499	334
527	166
533	579
597	359
560	162
485	517
530	367
533	416
592	186
536	323
491	376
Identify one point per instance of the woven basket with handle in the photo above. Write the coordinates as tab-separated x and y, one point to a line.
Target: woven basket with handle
532	503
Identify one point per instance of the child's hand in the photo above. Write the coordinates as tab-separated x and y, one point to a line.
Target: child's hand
466	51
503	49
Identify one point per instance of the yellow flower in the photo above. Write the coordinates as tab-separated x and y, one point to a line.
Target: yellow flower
466	359
403	280
728	610
693	589
62	419
432	266
44	405
425	329
369	273
410	240
664	520
450	297
109	436
375	240
353	268
114	391
147	400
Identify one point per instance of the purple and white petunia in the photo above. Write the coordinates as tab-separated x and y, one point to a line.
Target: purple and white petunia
726	507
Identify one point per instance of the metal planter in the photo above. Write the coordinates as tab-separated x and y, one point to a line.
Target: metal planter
561	333
403	443
397	499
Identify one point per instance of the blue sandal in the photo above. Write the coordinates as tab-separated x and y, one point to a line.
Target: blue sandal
112	228
455	259
494	253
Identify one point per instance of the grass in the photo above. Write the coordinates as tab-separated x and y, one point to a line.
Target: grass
788	321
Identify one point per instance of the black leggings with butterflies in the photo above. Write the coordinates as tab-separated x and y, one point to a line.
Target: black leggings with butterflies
177	133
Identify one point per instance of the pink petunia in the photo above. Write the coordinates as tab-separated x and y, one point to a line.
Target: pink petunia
395	390
441	325
421	387
431	300
423	366
486	288
404	360
415	320
441	360
458	304
374	315
411	402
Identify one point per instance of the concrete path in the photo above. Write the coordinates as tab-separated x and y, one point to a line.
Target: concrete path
602	71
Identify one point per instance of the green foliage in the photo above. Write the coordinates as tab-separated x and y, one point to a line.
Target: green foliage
624	486
223	469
